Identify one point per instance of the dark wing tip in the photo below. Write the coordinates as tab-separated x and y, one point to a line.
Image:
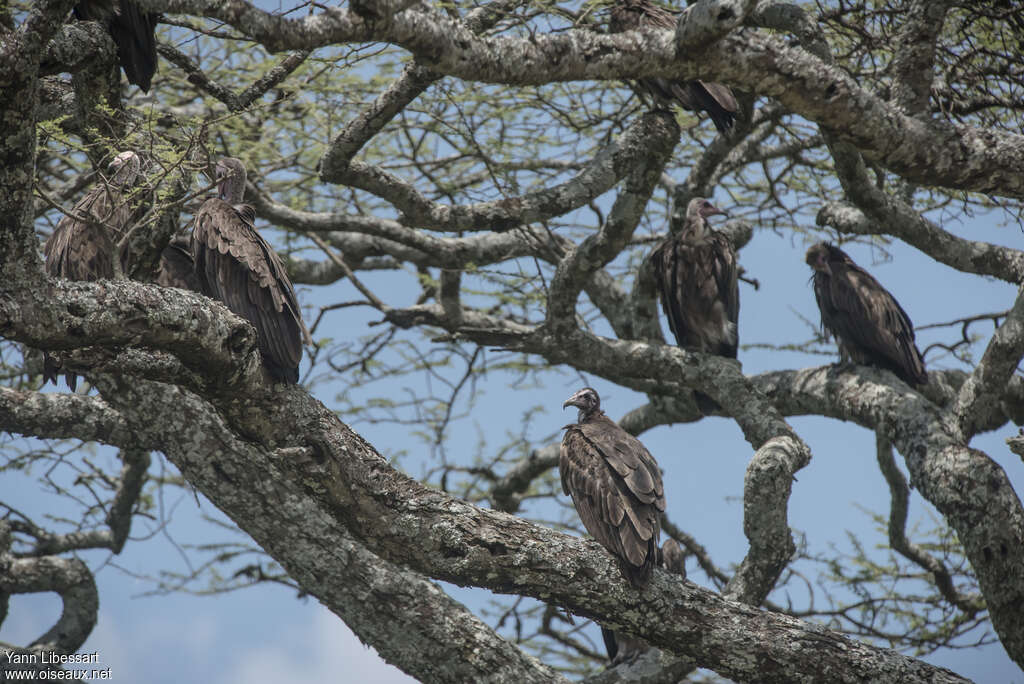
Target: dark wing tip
282	373
133	31
640	576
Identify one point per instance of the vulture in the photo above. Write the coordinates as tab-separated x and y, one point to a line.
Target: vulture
236	266
133	32
83	246
615	486
714	98
176	268
625	648
872	329
697	279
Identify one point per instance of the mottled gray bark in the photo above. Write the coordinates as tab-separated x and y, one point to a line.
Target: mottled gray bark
70	579
347	485
933	151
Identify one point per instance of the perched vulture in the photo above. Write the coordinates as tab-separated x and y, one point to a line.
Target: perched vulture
872	329
714	98
239	268
176	268
698	280
625	648
615	485
133	32
696	275
83	246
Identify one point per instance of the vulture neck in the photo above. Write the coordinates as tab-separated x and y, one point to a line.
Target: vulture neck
232	189
125	176
696	229
586	415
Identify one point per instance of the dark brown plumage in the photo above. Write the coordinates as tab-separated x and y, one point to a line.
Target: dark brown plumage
626	648
714	98
872	329
176	268
239	268
133	32
698	281
83	246
615	485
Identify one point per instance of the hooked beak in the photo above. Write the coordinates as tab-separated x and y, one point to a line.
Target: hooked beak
574	400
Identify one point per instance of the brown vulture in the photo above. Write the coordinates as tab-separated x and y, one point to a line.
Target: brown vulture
176	268
625	648
714	98
239	268
697	278
615	485
133	32
872	329
83	246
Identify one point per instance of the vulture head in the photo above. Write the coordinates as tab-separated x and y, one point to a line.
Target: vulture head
231	180
124	169
820	255
697	212
586	400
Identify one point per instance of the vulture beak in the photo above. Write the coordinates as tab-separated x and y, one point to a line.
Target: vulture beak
575	400
817	261
712	210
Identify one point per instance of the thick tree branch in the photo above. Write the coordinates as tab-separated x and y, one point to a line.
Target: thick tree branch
989	379
410	616
453	540
68	577
933	152
121	313
62	416
914	58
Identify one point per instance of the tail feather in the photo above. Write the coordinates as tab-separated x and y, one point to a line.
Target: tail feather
133	31
715	99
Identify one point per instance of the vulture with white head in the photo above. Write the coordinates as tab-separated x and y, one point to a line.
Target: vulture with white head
615	486
698	281
83	246
871	327
699	96
697	278
236	266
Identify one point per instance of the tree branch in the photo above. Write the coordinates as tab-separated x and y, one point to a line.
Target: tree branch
933	152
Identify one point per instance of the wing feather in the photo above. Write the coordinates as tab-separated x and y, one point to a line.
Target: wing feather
698	283
714	98
616	487
238	267
871	326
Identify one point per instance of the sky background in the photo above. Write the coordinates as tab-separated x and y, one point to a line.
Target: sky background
266	634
